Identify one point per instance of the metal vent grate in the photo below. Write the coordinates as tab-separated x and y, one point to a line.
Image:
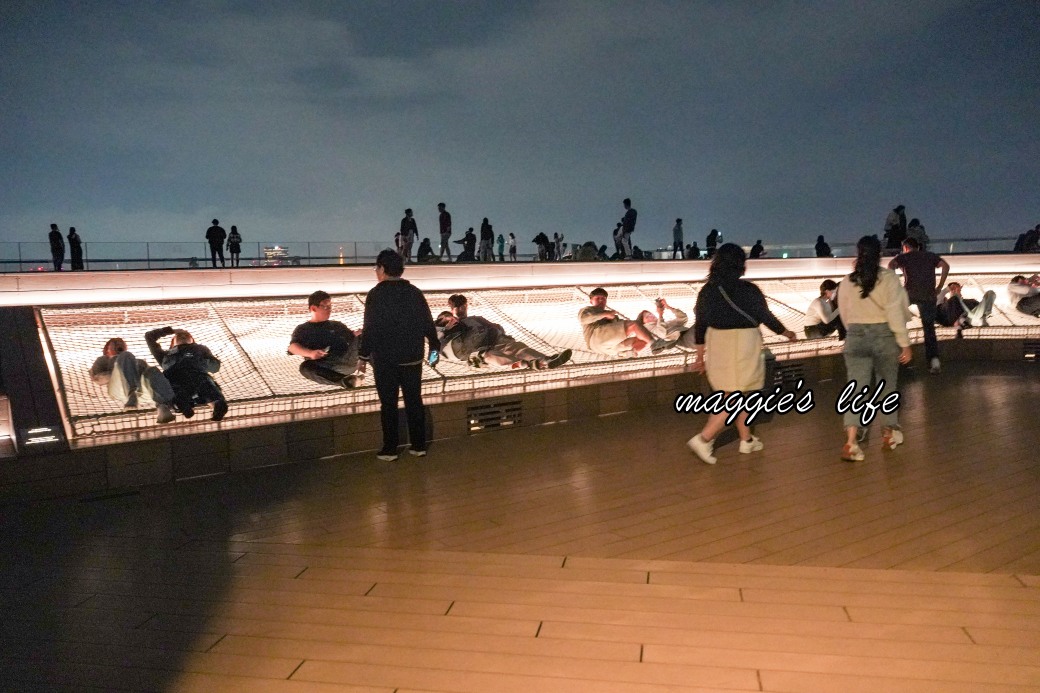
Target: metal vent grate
1031	351
483	417
789	372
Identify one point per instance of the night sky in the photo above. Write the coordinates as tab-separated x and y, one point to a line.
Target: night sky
323	121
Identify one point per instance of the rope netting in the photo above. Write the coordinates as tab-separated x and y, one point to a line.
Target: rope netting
260	378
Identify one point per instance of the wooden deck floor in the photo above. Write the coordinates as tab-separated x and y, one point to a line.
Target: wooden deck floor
585	556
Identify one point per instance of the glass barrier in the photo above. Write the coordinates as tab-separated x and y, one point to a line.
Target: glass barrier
104	255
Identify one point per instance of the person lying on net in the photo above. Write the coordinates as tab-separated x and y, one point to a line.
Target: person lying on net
187	366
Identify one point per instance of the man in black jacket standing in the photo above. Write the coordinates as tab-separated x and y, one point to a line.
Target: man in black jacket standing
397	319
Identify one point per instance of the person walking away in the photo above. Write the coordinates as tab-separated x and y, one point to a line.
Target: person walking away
75	249
874	308
397	320
918	268
677	239
728	343
216	236
57	247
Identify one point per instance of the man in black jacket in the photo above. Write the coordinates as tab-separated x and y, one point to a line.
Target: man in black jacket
397	319
187	367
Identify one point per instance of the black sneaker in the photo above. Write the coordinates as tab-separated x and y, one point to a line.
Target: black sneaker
560	358
219	409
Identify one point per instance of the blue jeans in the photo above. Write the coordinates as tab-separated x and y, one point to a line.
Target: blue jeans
871	355
931	343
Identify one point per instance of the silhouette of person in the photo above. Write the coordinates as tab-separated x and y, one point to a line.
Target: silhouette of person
444	221
501	243
711	242
895	228
75	249
677	239
469	247
757	250
216	235
57	247
487	238
822	248
628	225
409	232
234	245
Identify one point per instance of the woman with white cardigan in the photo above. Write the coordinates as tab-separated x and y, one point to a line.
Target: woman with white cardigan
874	307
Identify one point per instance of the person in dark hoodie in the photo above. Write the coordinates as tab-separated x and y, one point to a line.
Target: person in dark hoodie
469	247
397	320
187	367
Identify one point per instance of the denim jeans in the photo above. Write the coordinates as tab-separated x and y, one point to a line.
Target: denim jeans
931	343
872	355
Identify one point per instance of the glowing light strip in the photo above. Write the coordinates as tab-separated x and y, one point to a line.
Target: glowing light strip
71	288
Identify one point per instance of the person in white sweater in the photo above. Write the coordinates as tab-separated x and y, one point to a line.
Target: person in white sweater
875	308
822	316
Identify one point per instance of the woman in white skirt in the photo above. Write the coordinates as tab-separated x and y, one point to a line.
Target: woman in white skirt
728	340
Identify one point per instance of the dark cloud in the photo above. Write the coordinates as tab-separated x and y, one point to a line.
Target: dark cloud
781	120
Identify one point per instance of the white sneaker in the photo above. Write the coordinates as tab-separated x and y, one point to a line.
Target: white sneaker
749	446
890	438
934	366
702	448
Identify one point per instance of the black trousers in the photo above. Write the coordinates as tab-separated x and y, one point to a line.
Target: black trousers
823	329
215	251
391	378
325	372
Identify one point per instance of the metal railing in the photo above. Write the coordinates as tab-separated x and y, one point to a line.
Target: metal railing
35	256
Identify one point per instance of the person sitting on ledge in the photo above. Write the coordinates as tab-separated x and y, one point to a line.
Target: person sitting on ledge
187	366
957	311
606	332
130	380
480	342
328	347
822	317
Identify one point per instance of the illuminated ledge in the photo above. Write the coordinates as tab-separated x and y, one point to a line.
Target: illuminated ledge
67	288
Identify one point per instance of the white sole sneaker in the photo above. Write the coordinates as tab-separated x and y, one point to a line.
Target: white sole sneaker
702	449
891	438
416	453
852	453
749	446
387	457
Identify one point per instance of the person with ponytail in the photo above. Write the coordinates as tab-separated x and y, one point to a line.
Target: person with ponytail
875	308
728	341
